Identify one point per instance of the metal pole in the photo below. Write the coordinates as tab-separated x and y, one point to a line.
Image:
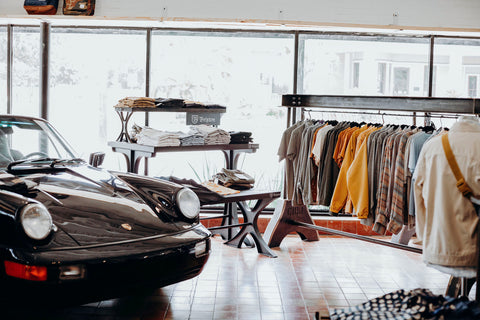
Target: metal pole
148	61
428	121
295	75
9	67
356	236
148	69
44	68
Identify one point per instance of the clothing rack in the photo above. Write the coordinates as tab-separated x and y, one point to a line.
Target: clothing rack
288	218
442	116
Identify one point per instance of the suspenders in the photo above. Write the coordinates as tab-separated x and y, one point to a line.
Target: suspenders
461	183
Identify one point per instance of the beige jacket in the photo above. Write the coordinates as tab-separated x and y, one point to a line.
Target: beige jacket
446	221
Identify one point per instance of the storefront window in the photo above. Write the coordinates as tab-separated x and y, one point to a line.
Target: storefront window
3	70
90	70
26	71
247	73
457	62
363	65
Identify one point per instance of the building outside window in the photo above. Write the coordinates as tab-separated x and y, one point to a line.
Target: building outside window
401	81
472	86
382	78
356	75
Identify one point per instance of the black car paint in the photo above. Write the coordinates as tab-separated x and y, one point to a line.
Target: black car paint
89	208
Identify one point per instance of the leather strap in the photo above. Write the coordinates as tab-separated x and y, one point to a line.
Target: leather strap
461	183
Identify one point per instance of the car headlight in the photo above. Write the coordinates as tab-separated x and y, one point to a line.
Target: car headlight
188	203
36	221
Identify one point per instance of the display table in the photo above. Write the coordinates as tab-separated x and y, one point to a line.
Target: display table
250	218
231	230
134	152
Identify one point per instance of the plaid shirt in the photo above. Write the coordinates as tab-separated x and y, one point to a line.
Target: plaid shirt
386	176
398	211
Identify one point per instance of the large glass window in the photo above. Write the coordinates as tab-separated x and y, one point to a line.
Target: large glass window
26	71
3	70
90	70
247	73
363	65
457	63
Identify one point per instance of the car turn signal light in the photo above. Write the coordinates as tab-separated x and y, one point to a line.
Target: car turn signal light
33	273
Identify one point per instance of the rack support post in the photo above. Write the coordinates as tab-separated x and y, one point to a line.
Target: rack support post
279	226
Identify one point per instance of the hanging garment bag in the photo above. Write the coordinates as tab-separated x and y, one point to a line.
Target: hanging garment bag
41	6
79	7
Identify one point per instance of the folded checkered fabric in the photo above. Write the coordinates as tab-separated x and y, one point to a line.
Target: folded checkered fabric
398	305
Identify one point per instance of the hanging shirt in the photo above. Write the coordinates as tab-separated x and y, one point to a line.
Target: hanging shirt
340	194
328	169
398	210
301	166
319	143
415	147
282	154
292	155
381	214
446	221
357	176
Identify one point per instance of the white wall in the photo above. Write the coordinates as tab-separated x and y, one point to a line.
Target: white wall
410	13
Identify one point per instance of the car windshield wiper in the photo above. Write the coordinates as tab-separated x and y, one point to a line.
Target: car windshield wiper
51	161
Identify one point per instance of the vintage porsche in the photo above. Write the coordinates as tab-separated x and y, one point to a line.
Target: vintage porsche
72	231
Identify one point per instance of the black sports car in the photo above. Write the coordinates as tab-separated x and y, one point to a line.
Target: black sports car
71	231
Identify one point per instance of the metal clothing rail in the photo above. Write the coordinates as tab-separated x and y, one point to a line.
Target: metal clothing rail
384	103
287	218
446	116
356	236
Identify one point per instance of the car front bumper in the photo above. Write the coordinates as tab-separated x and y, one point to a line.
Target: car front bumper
114	274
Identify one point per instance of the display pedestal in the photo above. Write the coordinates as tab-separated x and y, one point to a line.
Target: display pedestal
279	227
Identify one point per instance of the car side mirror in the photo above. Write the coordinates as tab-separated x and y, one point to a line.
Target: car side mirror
96	159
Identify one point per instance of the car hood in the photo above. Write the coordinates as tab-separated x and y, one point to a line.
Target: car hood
93	206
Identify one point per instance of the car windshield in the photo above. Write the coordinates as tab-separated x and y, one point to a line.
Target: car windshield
23	138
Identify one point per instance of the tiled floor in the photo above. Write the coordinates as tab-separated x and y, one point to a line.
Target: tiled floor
307	277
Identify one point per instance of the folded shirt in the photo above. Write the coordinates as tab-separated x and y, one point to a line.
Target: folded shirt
136	102
211	134
239	137
152	137
169	102
192	140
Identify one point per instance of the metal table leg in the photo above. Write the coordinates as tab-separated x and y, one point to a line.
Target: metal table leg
250	219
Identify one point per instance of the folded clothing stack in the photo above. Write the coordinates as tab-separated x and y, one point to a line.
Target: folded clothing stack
136	102
194	139
169	103
240	137
181	103
211	134
235	179
152	137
